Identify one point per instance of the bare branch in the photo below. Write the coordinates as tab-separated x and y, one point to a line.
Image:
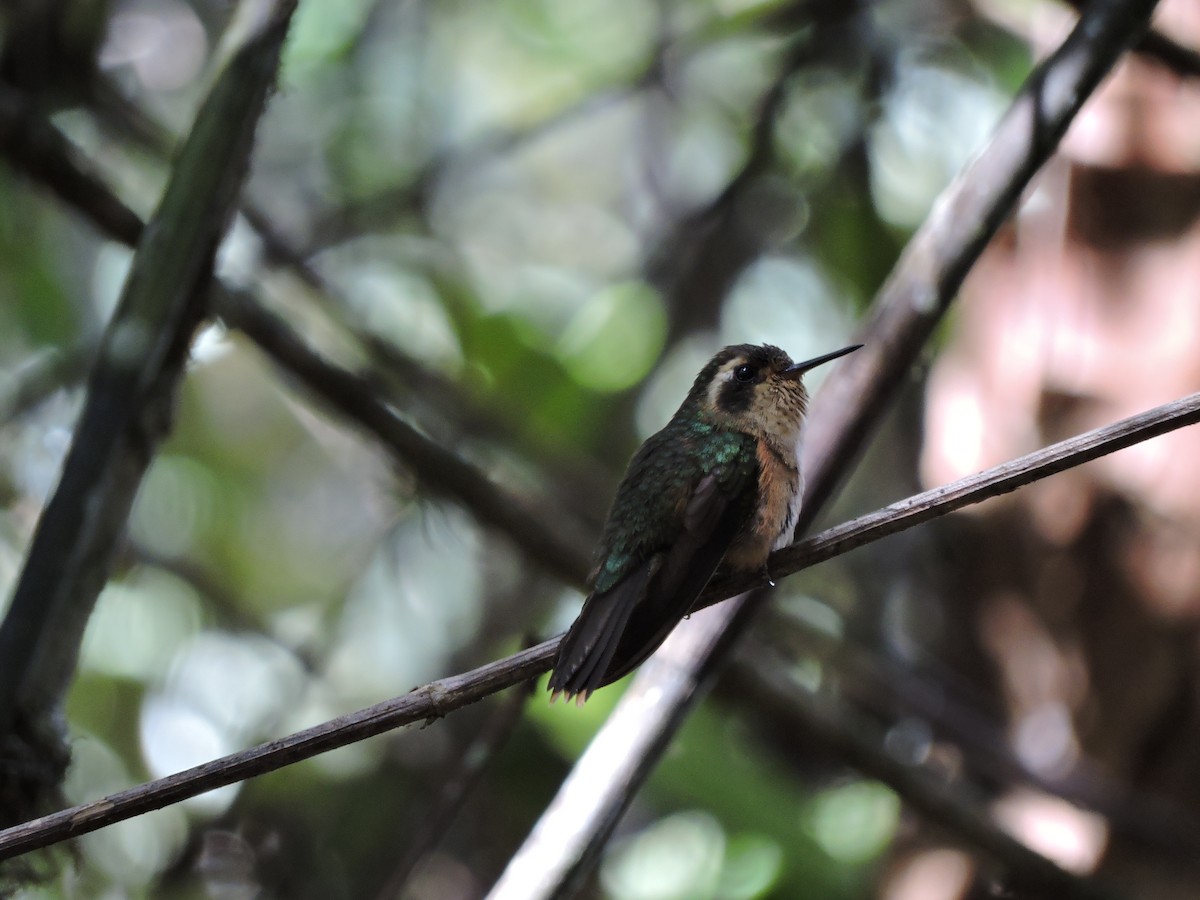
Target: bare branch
886	686
700	258
42	152
440	697
965	217
431	701
383	209
1179	59
558	855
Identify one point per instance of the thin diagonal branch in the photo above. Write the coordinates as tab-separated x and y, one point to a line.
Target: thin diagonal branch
431	701
37	148
441	697
1179	59
939	501
546	536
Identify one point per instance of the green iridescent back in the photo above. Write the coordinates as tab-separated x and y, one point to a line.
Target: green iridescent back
646	516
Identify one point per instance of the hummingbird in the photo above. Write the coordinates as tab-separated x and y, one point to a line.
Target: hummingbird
720	483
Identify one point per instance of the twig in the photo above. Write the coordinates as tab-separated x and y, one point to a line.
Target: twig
382	209
440	697
230	613
887	687
414	382
42	152
911	303
1179	59
697	262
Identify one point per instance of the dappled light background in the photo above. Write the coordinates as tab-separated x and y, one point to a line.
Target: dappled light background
528	224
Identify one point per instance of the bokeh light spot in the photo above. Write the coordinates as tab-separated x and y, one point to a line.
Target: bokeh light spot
854	822
615	338
677	857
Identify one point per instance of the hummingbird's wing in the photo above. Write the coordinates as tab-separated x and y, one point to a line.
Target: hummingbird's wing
622	625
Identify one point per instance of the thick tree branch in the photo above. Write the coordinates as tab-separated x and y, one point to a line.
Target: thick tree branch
1157	46
441	697
130	392
605	771
909	306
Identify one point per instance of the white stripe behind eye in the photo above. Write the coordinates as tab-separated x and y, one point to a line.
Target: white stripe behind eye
726	374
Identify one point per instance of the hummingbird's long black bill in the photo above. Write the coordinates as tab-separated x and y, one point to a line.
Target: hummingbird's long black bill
797	369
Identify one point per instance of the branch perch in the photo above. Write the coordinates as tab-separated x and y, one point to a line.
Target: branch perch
438	698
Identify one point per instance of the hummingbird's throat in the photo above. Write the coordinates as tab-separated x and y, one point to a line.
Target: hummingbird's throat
776	414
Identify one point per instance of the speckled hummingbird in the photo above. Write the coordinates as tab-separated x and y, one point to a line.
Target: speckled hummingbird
720	483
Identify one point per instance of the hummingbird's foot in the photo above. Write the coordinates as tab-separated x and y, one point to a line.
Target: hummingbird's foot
766	574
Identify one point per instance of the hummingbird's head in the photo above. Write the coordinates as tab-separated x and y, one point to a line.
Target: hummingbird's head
757	390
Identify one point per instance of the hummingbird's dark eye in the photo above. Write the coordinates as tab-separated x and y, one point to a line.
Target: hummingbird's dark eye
745	374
